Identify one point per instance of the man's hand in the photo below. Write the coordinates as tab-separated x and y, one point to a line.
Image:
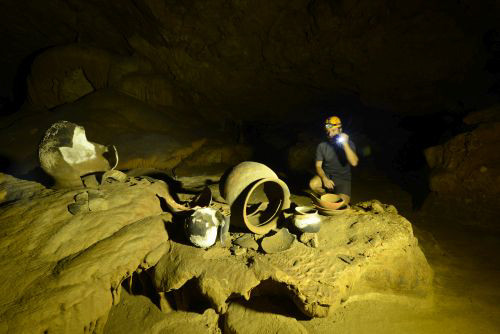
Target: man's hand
351	155
344	138
328	184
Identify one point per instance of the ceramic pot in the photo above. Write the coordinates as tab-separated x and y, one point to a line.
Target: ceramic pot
256	196
202	226
306	219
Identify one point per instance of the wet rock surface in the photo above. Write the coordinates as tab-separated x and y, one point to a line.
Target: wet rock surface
79	259
62	270
142	316
357	254
249	319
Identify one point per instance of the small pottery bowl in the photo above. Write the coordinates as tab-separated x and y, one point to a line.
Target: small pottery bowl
307	219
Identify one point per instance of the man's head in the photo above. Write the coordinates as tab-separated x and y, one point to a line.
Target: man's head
333	126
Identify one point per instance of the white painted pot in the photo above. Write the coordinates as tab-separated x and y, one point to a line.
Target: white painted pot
307	219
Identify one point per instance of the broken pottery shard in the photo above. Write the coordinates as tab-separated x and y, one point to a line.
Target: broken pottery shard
279	242
113	176
66	154
81	203
247	241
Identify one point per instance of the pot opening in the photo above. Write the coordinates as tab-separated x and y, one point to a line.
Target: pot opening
263	203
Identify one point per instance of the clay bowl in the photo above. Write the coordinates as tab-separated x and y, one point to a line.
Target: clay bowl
328	201
326	212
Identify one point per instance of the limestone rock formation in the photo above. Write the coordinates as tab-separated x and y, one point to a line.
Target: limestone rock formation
242	319
261	56
61	270
359	254
465	171
143	136
137	315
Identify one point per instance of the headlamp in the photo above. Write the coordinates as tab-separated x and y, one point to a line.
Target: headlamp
330	125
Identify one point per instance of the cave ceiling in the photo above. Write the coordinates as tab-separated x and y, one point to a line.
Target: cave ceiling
253	58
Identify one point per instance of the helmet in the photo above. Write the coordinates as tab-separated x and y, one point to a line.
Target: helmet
334	122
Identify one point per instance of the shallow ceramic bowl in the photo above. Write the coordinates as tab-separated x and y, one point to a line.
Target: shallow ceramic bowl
343	209
329	201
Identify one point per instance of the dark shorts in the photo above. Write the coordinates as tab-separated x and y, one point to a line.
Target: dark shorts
342	186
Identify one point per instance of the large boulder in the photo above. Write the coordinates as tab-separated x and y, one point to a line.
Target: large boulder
465	171
64	254
372	250
64	74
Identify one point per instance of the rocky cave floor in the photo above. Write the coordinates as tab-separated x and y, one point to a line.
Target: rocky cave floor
466	289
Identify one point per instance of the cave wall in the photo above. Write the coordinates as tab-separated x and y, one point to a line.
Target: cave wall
262	59
465	172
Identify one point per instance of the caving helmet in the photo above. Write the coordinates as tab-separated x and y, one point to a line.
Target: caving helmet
333	122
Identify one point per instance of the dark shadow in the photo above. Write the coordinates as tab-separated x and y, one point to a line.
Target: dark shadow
37	174
409	167
19	89
275	298
174	186
142	284
6	106
5	163
176	230
189	298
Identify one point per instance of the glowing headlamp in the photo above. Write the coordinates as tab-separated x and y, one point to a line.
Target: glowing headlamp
330	125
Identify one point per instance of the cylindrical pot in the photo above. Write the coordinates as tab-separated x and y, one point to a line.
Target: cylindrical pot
256	196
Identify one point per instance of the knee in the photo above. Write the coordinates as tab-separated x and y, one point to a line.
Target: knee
315	183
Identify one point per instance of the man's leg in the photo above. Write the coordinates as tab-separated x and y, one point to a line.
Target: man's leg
343	189
316	185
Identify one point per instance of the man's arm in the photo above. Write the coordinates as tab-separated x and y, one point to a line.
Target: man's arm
352	157
327	183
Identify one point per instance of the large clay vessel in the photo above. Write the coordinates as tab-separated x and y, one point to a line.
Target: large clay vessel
256	196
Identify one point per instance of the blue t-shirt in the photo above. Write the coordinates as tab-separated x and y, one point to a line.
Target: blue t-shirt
335	163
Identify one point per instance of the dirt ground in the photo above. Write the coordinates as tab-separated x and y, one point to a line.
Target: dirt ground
466	285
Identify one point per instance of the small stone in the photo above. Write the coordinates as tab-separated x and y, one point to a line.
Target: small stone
483	169
310	239
238	251
75	208
377	208
346	258
391	209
